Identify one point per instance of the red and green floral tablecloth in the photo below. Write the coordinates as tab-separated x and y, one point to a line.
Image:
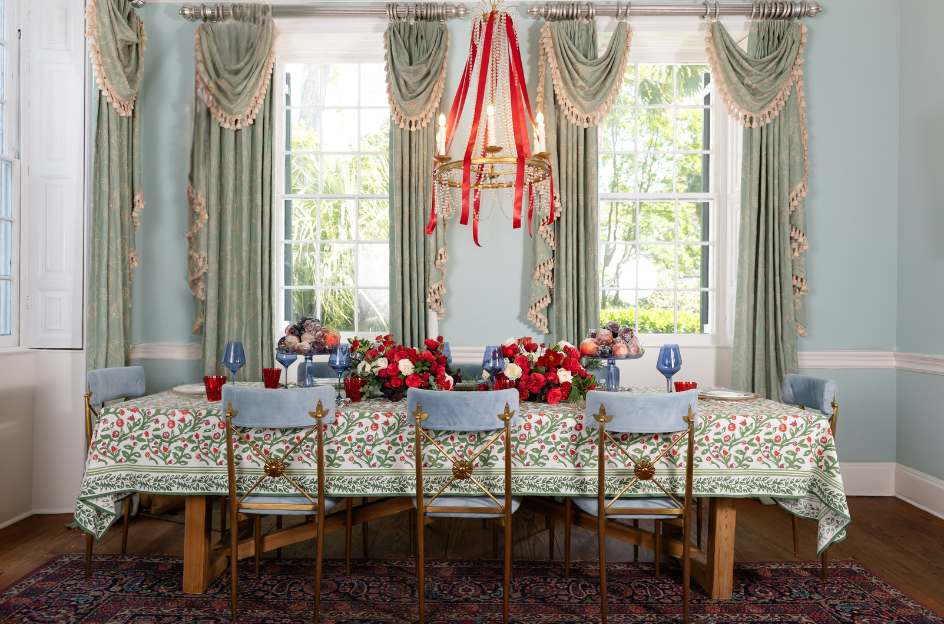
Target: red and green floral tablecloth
172	444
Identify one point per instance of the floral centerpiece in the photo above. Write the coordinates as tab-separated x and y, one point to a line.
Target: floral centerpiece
308	336
391	368
545	374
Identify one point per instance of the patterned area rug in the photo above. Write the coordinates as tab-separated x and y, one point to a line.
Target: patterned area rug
146	590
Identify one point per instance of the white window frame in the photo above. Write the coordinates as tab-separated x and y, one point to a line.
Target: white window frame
9	41
360	43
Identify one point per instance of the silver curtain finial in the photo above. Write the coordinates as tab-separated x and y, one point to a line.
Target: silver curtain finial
138	4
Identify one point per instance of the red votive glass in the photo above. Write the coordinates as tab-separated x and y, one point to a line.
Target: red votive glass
270	376
353	386
214	386
682	386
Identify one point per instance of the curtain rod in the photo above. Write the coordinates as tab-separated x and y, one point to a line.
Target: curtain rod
440	11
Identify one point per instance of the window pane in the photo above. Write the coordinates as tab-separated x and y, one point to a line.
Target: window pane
375	175
693	311
616	174
655	84
618	266
691	258
301	133
6	248
691	83
303	303
340	175
627	94
375	130
657	221
337	309
3	67
655	130
305	84
6	307
690	175
301	219
618	305
340	130
656	267
373	310
617	221
694	221
341	85
6	188
657	313
655	173
337	219
337	265
301	261
618	131
373	265
374	219
302	173
373	85
690	129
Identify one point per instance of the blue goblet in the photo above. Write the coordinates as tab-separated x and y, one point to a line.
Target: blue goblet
234	357
493	362
340	361
669	363
447	352
285	359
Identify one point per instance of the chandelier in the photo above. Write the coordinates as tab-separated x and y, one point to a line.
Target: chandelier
497	157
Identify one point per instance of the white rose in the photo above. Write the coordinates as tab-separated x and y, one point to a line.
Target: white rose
406	366
564	375
363	368
380	363
532	357
485	374
563	344
512	371
509	342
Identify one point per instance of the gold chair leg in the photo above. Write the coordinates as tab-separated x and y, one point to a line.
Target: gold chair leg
567	538
825	564
88	555
698	516
601	541
658	537
494	541
506	581
257	534
234	556
635	546
550	538
278	525
796	537
318	565
347	536
364	533
223	515
420	570
124	527
413	532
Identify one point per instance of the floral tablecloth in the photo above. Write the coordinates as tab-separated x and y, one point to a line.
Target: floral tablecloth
173	444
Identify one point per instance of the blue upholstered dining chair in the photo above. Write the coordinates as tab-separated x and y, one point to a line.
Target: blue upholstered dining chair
625	412
109	384
462	411
819	394
308	409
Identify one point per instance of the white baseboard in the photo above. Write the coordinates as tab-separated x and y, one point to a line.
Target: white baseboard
868	478
57	510
921	490
16	519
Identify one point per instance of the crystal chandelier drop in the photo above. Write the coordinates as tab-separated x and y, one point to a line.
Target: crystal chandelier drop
497	156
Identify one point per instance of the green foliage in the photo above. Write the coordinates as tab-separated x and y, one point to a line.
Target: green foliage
653	320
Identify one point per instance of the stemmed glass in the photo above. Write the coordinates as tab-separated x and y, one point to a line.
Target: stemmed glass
340	361
669	363
234	357
493	362
447	352
285	359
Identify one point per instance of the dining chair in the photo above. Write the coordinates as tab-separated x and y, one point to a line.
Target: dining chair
109	384
311	409
817	393
433	410
626	412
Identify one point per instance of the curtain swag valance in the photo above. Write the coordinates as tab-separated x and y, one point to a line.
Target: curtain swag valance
116	39
415	58
234	61
586	88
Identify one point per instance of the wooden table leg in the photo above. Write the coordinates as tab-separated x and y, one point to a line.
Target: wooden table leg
722	520
201	565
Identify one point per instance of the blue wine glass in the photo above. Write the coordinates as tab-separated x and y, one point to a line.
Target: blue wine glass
340	361
234	357
285	359
493	362
447	352
669	363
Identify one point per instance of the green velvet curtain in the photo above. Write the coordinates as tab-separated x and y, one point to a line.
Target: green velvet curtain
576	90
230	194
416	70
763	88
116	44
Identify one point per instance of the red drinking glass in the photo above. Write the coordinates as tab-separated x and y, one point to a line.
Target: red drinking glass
270	376
214	386
682	386
353	387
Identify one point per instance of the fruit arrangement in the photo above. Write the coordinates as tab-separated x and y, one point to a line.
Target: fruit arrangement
611	341
308	336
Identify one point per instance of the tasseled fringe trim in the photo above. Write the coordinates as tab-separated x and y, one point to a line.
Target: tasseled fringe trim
422	119
800	287
575	116
197	324
763	117
198	211
204	92
198	263
137	207
800	329
544	272
537	316
798	242
132	262
123	107
436	291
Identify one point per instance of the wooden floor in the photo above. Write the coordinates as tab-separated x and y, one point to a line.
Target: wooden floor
897	541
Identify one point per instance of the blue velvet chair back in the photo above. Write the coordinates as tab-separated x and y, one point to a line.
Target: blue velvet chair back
642	412
278	408
813	392
108	384
462	411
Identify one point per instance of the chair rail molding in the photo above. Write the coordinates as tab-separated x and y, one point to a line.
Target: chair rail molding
166	351
847	359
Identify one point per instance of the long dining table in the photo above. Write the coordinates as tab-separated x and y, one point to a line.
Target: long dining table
170	443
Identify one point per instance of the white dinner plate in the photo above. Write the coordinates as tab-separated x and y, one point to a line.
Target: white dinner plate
727	395
191	389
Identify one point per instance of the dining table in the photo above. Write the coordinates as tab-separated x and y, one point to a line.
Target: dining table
173	443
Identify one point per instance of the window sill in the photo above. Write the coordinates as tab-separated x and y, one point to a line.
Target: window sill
13	351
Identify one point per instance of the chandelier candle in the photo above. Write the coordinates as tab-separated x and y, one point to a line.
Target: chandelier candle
441	135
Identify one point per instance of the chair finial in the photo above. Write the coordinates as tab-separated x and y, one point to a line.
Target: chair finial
319	412
507	415
418	414
602	417
230	412
688	418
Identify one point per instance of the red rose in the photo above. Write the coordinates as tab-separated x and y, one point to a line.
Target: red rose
566	386
509	351
582	373
372	353
395	382
355	344
442	360
522	362
439	370
531	347
439	338
537	378
552	376
382	373
565	396
523	394
554	396
428	356
431	344
393	368
425	376
414	381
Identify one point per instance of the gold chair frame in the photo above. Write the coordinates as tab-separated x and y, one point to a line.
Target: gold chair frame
462	469
643	470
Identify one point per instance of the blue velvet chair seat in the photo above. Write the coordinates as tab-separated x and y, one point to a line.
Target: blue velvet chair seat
108	384
470	502
329	502
589	505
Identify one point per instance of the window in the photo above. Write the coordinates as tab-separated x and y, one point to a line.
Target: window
334	170
658	202
9	213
